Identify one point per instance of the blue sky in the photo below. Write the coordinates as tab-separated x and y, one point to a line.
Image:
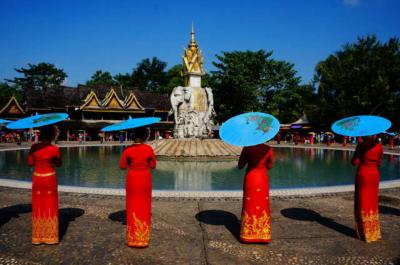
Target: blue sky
84	36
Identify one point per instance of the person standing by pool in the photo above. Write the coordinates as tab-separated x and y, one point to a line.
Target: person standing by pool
344	141
36	136
391	142
252	130
139	159
256	218
312	138
45	157
367	158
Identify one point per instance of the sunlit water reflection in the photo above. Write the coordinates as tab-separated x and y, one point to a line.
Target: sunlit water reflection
293	167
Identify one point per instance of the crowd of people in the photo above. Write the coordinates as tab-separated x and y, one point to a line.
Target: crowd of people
20	136
295	138
329	138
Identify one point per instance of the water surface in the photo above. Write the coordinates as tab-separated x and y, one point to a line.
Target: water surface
293	168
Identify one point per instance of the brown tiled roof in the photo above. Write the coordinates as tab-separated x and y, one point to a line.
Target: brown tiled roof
152	100
52	99
75	96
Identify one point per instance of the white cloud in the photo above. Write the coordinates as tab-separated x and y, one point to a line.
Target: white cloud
351	2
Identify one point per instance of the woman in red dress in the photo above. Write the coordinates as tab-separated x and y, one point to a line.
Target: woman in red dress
44	157
367	158
256	219
391	142
138	158
344	141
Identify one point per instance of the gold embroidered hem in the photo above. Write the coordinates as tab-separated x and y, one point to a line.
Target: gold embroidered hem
368	223
255	227
139	235
138	244
44	174
47	242
45	230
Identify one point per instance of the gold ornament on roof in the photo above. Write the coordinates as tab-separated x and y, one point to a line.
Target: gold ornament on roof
193	59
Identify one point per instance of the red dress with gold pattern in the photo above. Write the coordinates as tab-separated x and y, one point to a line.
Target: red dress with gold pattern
44	156
367	158
256	219
138	159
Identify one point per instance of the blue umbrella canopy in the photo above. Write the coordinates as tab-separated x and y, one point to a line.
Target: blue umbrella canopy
249	129
363	125
3	121
390	133
131	123
37	121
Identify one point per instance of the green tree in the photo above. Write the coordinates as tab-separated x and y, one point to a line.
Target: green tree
289	104
362	78
174	78
39	78
206	80
7	91
124	82
150	75
100	78
247	81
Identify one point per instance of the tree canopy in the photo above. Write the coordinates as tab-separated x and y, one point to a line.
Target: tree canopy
150	75
100	78
174	78
7	91
362	78
39	77
247	81
289	104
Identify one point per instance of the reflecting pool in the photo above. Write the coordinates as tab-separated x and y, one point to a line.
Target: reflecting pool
293	168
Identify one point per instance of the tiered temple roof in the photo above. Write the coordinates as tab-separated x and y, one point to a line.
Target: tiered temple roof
131	102
11	108
91	102
111	102
85	99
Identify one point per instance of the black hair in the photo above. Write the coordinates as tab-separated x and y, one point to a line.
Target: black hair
368	143
48	133
140	133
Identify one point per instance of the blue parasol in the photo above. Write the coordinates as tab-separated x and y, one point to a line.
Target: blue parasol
249	129
37	121
390	133
363	125
131	123
2	121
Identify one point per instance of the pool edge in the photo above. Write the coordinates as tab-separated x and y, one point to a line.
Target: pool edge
201	194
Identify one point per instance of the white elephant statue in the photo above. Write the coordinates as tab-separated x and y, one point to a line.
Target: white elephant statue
193	109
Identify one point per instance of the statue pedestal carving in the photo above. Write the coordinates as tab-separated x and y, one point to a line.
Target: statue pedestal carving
193	109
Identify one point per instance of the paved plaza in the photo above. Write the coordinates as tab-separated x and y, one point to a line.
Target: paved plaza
305	229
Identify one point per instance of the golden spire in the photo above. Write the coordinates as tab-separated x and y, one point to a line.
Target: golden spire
192	40
193	59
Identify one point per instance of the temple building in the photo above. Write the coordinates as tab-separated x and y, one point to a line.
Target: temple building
11	109
90	109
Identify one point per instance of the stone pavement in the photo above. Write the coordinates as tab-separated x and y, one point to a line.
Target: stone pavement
305	230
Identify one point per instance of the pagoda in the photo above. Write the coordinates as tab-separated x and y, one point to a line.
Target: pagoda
192	105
